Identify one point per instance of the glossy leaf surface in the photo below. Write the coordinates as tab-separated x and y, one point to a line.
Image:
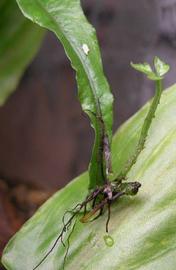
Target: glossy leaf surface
19	41
67	21
143	228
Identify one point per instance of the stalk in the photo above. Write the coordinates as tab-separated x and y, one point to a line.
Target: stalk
144	131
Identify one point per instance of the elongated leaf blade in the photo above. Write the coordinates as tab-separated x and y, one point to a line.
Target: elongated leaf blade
67	21
143	227
19	42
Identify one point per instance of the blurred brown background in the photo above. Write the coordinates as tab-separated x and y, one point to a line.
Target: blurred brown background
45	138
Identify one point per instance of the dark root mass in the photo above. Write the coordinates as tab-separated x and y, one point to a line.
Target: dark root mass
96	202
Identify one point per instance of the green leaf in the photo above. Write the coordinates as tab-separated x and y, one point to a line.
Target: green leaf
144	68
19	42
160	67
141	227
67	21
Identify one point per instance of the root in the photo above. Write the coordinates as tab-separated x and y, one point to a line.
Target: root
68	244
98	199
109	216
65	228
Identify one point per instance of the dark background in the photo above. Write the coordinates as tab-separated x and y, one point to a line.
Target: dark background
45	138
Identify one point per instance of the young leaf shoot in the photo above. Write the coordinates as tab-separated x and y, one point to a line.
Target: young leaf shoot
160	69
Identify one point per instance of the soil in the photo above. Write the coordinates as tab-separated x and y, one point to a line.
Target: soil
17	204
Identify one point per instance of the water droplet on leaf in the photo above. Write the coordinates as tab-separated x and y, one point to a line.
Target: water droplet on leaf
109	241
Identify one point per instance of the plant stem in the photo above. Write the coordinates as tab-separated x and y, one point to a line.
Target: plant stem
145	129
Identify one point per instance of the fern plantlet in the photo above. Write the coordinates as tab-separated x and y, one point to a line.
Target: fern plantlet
104	195
81	46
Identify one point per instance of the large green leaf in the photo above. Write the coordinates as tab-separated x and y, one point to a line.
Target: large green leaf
143	227
67	21
19	42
